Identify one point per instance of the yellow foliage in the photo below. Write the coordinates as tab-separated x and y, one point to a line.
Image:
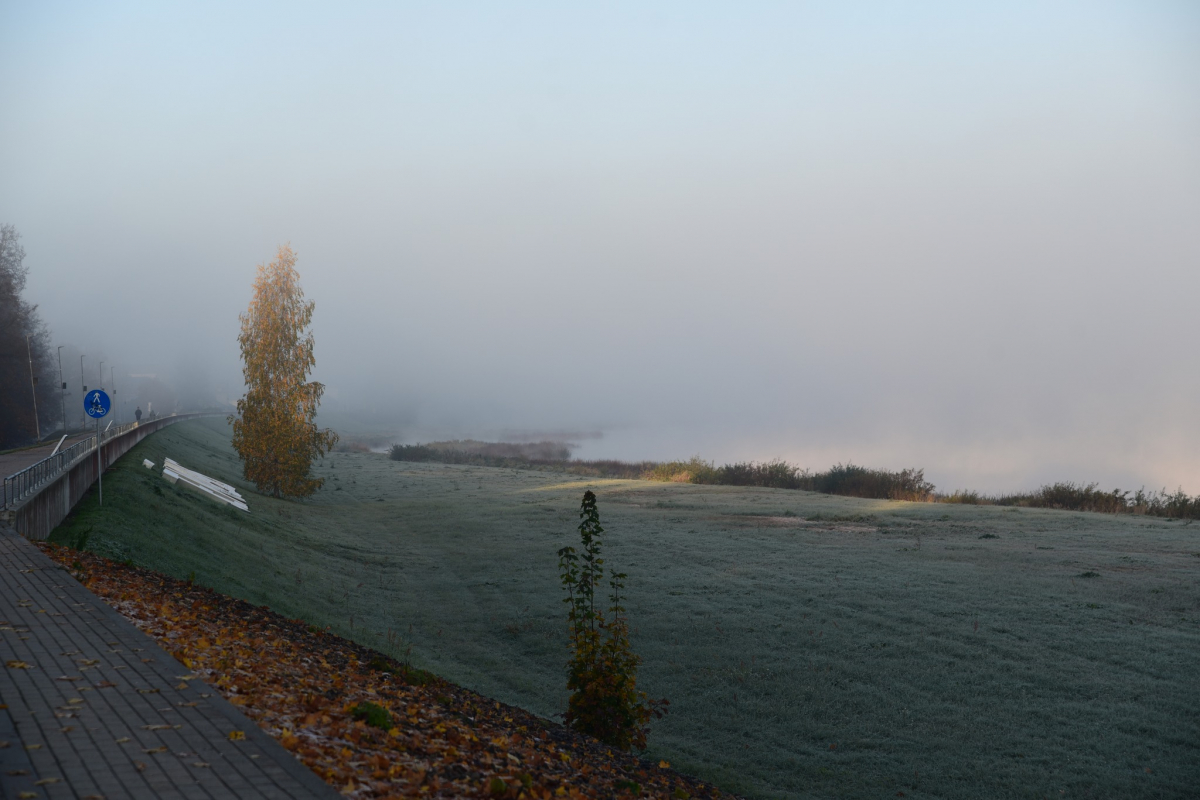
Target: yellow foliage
274	431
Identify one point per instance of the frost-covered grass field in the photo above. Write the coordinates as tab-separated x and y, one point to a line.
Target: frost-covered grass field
811	646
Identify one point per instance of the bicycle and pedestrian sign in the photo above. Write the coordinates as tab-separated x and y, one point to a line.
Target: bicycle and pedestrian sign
96	403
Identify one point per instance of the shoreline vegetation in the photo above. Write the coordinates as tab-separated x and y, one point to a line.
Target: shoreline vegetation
849	480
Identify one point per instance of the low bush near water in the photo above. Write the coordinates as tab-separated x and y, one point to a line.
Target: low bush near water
1088	497
854	481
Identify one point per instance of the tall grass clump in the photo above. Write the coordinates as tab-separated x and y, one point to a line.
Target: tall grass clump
963	497
767	474
602	671
695	470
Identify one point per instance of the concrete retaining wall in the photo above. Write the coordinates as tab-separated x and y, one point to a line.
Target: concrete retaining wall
41	513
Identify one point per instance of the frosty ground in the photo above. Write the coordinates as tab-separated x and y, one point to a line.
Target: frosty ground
810	645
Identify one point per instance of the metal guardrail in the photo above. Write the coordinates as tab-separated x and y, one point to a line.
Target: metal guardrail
21	484
25	483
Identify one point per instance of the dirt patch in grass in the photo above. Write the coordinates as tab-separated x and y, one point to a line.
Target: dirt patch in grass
363	722
831	526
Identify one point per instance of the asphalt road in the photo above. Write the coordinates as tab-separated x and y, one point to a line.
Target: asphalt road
20	459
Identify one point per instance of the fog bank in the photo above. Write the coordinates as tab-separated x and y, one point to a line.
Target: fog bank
962	239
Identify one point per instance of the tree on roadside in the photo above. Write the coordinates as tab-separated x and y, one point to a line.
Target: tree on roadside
25	354
274	432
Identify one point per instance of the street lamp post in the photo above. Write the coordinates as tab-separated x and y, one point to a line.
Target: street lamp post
82	414
62	389
116	408
37	425
98	463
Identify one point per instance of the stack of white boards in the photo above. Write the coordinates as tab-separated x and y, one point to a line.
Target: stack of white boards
222	492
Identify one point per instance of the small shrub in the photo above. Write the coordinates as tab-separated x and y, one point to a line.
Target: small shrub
417	677
381	664
80	540
406	672
374	715
602	671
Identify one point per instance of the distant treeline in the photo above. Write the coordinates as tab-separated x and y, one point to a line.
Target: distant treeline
471	451
517	456
844	479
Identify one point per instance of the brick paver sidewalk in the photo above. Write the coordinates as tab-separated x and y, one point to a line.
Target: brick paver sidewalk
96	709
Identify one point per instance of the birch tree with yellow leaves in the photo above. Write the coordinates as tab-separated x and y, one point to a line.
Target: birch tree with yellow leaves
274	432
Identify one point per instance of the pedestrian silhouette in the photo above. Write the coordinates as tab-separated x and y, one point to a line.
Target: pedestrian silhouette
137	414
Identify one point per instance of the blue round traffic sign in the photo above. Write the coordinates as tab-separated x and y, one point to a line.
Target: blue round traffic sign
96	403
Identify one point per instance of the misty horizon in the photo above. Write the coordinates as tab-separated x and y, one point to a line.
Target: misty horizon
962	240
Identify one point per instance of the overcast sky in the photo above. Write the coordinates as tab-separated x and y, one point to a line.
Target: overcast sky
902	234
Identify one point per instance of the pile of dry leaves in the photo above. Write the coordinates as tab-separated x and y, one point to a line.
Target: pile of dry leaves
361	721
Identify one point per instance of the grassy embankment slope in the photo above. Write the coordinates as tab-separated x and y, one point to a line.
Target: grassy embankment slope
810	645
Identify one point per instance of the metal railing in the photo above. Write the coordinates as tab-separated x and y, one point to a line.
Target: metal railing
25	483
